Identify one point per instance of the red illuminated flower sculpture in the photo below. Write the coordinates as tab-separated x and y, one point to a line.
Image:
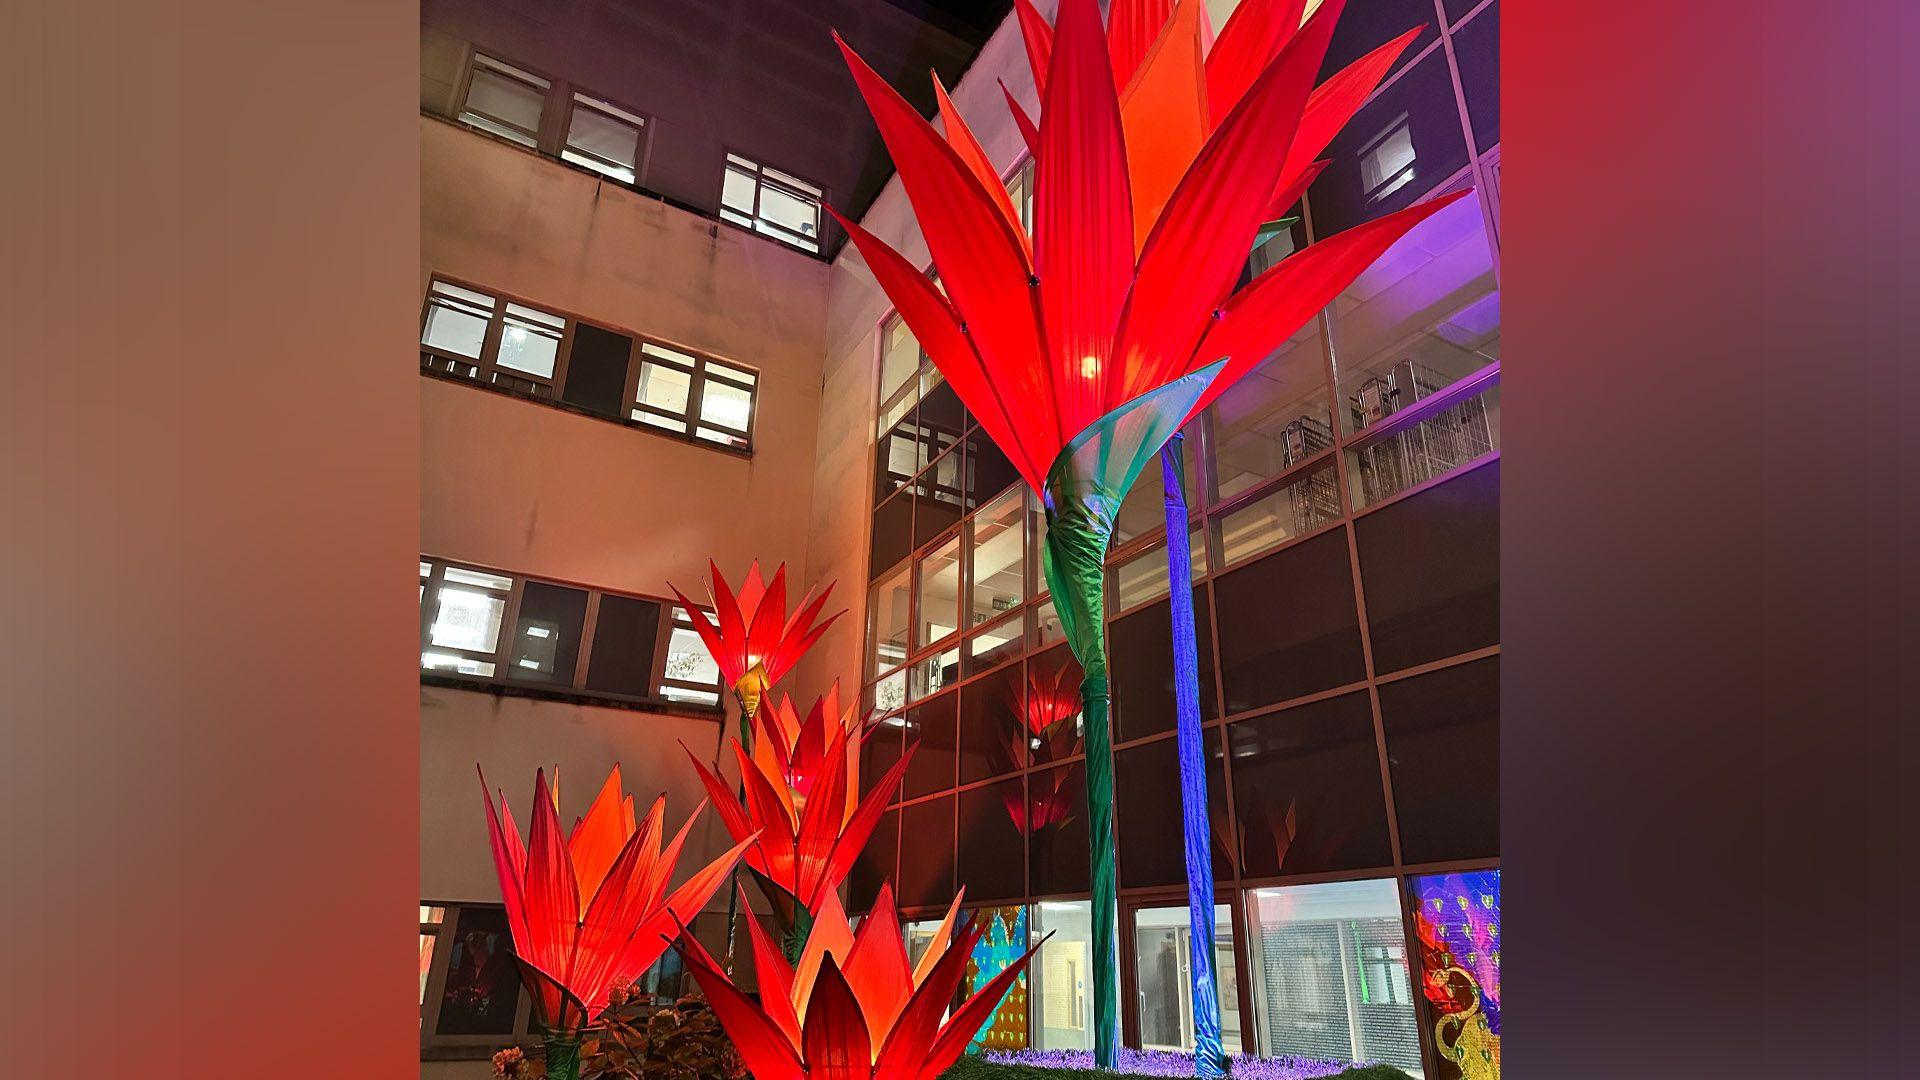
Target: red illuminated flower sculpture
792	752
1083	347
853	1008
807	840
588	909
753	639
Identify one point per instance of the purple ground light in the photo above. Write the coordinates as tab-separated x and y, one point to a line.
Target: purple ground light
1166	1063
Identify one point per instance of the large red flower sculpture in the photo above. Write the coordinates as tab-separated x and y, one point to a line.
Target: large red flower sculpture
1145	209
853	1008
588	909
753	639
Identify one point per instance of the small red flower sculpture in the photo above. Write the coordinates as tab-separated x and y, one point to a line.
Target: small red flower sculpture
753	639
588	909
808	840
854	1008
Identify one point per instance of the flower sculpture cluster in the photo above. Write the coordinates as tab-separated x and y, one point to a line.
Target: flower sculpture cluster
854	1008
589	908
1160	152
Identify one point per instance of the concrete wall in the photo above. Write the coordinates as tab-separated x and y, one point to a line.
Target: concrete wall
527	488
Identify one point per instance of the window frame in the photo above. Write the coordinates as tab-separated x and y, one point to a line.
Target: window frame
641	123
574	686
786	183
486	372
520	73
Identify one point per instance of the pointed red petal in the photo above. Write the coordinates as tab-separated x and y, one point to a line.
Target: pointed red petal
970	1017
1278	302
763	635
1083	216
711	636
1132	27
777	840
1334	102
552	895
1037	36
981	261
1200	243
733	626
773	973
509	862
1293	187
1029	131
596	841
763	1047
1164	115
820	822
751	590
912	1038
961	138
858	829
937	327
834	1038
877	967
617	909
1252	37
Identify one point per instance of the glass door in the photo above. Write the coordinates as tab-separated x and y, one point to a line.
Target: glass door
1163	973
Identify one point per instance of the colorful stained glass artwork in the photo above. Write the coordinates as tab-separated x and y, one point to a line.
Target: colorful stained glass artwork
1003	943
1458	923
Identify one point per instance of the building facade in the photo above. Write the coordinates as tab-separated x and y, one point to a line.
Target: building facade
640	351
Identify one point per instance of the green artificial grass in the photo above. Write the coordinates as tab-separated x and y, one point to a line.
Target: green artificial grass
976	1068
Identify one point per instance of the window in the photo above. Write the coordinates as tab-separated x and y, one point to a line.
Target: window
1149	822
514	346
926	854
998	550
1271	652
771	202
491	628
603	137
1306	789
1163	963
504	100
936	587
1330	973
472	993
1443	748
1062	973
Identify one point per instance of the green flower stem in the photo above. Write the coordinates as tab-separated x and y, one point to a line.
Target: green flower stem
563	1057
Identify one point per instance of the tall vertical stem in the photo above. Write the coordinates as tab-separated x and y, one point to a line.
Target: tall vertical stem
1209	1056
748	706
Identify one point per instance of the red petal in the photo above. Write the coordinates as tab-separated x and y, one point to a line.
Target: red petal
981	260
763	1048
1292	188
936	326
969	1018
732	814
1037	36
1278	302
905	1052
552	896
598	838
834	1037
1200	243
961	138
1083	216
751	590
773	973
821	821
858	829
1164	114
777	839
1252	37
1029	131
1132	28
1334	102
711	637
877	967
509	862
763	636
733	624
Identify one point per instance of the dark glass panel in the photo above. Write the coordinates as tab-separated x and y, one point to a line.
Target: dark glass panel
1057	829
482	991
1148	817
992	862
880	752
896	457
1394	150
942	416
875	864
992	737
989	472
623	644
936	507
546	635
1140	657
1443	748
1306	789
926	853
1052	708
1430	564
931	730
1365	27
1476	48
597	371
892	533
1288	625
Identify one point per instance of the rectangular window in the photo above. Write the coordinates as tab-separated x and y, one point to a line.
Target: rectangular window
1062	973
514	346
771	202
1330	973
495	628
603	137
1163	963
504	100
